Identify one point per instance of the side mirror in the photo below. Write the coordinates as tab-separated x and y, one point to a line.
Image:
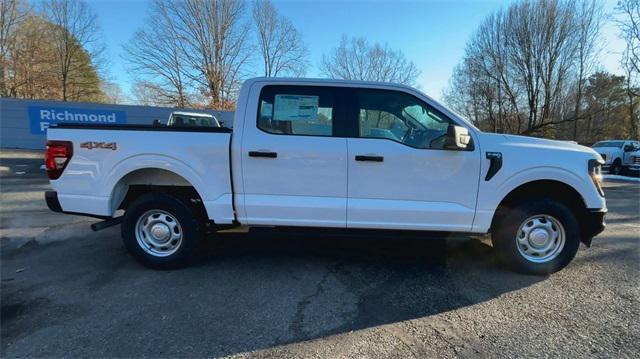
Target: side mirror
458	138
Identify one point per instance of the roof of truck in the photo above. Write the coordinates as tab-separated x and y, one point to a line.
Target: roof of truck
324	80
183	113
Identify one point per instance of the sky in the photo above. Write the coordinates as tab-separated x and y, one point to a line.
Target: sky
432	34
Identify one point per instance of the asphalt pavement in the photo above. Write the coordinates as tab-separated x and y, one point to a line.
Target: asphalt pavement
67	291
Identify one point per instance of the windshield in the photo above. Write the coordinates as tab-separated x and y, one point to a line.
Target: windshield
193	121
617	144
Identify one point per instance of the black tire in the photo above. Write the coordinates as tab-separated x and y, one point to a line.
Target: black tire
191	229
616	167
507	228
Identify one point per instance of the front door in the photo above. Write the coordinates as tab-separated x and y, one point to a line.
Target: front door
294	161
400	175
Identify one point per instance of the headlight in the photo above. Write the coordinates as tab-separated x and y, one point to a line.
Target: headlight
595	172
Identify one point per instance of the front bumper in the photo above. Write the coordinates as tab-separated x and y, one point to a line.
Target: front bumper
593	225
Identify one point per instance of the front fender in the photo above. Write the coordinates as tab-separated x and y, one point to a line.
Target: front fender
491	194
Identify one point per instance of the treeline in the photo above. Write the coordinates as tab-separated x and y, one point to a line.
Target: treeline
50	50
196	53
188	53
532	68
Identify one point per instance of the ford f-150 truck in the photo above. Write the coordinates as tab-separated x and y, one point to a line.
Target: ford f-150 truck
329	153
620	156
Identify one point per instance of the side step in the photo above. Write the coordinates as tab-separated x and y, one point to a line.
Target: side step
106	223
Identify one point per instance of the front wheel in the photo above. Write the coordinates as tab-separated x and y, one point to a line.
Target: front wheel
161	231
540	237
616	167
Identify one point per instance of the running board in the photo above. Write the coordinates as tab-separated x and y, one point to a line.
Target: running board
106	223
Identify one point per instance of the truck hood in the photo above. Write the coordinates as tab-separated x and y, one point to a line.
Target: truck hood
535	143
608	151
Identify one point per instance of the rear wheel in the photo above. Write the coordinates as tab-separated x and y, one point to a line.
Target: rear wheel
161	231
540	236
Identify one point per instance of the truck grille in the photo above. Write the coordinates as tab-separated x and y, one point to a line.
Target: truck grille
635	159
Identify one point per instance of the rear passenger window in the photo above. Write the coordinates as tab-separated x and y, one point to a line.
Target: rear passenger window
296	110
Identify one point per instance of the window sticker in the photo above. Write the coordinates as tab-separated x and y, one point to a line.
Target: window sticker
295	108
266	110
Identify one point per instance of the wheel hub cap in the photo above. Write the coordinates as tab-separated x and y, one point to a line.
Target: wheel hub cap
540	238
158	233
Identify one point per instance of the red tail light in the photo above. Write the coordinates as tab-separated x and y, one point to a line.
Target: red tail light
57	156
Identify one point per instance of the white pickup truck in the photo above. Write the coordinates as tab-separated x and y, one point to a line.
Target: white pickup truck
620	156
192	119
328	153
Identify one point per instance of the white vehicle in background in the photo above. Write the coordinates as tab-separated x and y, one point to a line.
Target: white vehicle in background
192	119
632	163
619	156
329	153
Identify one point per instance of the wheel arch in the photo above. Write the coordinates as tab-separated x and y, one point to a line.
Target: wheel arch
149	179
547	188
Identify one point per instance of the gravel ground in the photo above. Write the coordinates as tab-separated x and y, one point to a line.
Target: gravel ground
69	292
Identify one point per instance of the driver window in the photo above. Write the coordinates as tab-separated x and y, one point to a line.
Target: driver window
402	118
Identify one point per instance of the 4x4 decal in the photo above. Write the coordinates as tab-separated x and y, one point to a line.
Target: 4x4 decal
101	145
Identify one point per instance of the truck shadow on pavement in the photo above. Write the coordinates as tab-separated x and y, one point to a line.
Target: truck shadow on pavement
331	284
248	292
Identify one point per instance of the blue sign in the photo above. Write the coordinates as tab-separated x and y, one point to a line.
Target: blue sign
41	117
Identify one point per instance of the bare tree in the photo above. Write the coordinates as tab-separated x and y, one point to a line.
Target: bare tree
214	40
146	94
524	68
156	58
113	93
589	20
630	28
75	36
356	59
12	13
31	62
280	44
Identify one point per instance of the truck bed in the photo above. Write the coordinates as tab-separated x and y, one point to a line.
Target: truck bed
107	159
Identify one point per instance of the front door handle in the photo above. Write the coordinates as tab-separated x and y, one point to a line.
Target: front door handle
264	154
369	158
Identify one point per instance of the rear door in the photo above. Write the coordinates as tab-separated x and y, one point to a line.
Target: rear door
400	176
294	158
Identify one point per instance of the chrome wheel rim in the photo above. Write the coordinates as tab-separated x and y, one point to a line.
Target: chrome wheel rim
158	233
540	238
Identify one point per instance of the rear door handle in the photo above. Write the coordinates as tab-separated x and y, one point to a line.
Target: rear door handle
264	154
369	158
